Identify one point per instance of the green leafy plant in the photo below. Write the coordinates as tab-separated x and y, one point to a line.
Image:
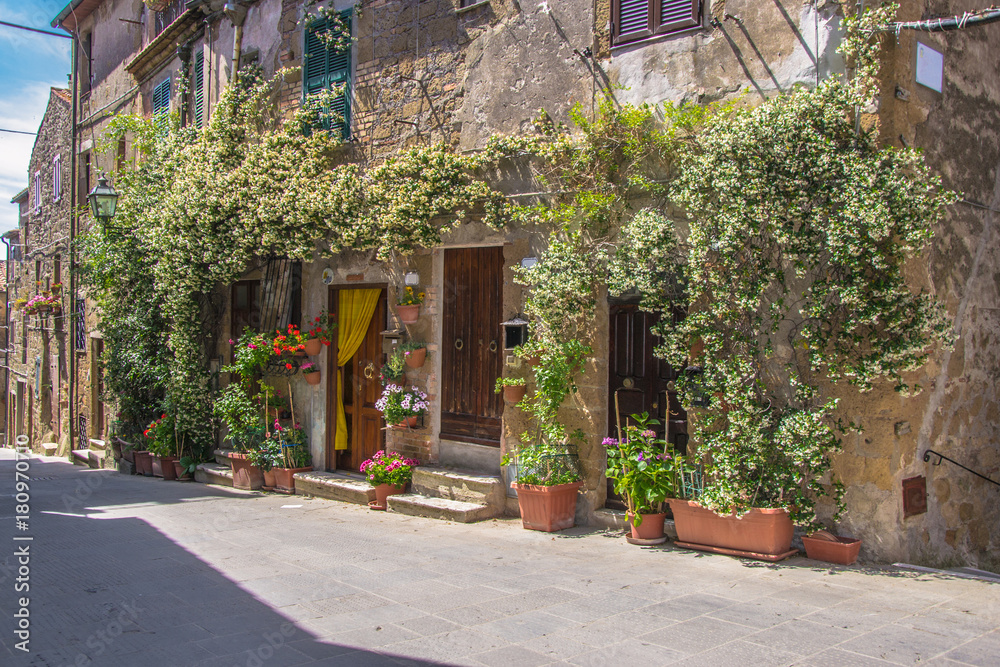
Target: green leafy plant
396	403
641	467
388	468
393	369
542	464
410	298
509	382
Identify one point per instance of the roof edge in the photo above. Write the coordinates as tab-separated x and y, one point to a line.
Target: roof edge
20	195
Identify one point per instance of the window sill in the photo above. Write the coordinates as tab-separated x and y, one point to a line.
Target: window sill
462	10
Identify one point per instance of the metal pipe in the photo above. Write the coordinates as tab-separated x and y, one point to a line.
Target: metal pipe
74	186
968	19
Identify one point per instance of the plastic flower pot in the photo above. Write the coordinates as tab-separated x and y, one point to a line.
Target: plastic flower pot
245	476
284	478
167	467
269	480
514	393
408	314
313	378
839	550
650	528
415	358
547	508
313	346
761	533
382	492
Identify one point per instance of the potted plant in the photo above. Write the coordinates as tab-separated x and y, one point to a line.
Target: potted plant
310	372
20	303
546	481
185	467
402	407
640	465
408	305
161	437
414	353
320	333
513	389
392	370
266	456
293	456
389	474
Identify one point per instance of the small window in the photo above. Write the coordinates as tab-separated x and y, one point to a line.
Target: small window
161	103
37	191
56	178
199	88
326	66
633	20
80	325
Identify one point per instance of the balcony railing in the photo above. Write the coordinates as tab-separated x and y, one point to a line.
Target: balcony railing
167	16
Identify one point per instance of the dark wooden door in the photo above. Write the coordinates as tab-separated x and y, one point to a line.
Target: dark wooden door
471	345
643	382
362	388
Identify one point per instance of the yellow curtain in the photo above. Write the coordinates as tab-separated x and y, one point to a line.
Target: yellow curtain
355	313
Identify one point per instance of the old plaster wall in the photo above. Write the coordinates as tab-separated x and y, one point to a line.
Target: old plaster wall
957	414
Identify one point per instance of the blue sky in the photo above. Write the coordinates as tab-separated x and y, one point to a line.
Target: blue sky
29	65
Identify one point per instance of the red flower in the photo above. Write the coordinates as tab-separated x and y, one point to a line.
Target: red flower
163	417
326	342
288	366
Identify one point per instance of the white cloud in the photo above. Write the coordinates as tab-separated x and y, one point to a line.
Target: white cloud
37	14
21	112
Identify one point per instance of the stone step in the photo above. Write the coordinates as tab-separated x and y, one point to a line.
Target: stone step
213	473
222	456
415	504
334	486
98	445
96	459
81	457
457	485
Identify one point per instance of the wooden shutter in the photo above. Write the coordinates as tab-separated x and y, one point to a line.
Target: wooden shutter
161	103
199	88
329	67
637	19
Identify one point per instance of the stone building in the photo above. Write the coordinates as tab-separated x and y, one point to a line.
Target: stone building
458	71
40	327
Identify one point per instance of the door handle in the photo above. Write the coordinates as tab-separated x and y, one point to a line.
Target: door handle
370	370
459	344
493	346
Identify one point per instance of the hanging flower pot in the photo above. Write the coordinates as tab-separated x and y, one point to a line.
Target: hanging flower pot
313	346
514	393
313	378
415	358
409	422
408	314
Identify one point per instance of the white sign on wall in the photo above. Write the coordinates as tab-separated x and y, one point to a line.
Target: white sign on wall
930	67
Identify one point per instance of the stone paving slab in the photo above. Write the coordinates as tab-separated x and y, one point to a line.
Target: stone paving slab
143	572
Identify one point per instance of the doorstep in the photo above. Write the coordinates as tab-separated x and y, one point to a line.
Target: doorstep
213	473
446	509
334	486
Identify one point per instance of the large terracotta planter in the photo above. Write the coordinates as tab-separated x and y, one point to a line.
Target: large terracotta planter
245	476
284	478
181	473
514	393
382	492
650	528
313	346
408	314
143	463
313	378
269	481
166	464
763	534
547	508
129	455
416	358
840	550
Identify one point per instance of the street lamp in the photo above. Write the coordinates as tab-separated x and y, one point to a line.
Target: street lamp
103	200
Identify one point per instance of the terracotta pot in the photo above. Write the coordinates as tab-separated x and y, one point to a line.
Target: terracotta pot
650	528
167	467
129	455
415	359
408	314
843	551
314	378
409	422
144	463
383	491
116	448
299	353
764	534
514	394
284	479
313	346
245	476
547	508
269	480
181	473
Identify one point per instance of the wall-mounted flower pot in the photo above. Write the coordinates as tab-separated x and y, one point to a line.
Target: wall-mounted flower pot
840	550
514	393
245	476
313	378
143	463
313	346
763	534
408	314
409	422
382	492
547	508
284	478
416	358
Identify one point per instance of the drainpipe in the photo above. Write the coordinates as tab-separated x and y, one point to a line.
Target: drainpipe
74	186
184	53
237	13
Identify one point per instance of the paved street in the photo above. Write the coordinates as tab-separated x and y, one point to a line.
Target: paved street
141	572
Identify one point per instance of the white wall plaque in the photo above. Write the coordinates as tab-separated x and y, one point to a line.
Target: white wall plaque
930	67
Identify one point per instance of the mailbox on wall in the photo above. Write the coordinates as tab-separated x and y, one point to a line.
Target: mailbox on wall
515	332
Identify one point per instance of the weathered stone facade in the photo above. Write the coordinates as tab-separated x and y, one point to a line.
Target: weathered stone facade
430	71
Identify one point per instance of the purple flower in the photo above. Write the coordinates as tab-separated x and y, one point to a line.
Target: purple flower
607	442
648	434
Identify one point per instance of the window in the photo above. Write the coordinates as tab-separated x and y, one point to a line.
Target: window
56	178
80	325
120	155
633	20
37	191
161	103
199	88
329	67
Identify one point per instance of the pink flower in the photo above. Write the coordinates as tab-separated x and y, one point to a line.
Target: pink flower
252	346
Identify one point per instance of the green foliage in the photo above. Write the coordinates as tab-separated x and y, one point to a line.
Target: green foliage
543	464
641	467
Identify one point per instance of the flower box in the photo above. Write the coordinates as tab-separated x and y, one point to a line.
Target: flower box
763	534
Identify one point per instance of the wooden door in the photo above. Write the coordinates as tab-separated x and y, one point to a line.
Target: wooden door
471	345
362	388
643	382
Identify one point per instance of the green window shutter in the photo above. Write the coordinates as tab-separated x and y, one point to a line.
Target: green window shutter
325	68
161	103
199	88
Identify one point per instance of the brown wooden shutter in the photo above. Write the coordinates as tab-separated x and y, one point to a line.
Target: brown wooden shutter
638	19
673	15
